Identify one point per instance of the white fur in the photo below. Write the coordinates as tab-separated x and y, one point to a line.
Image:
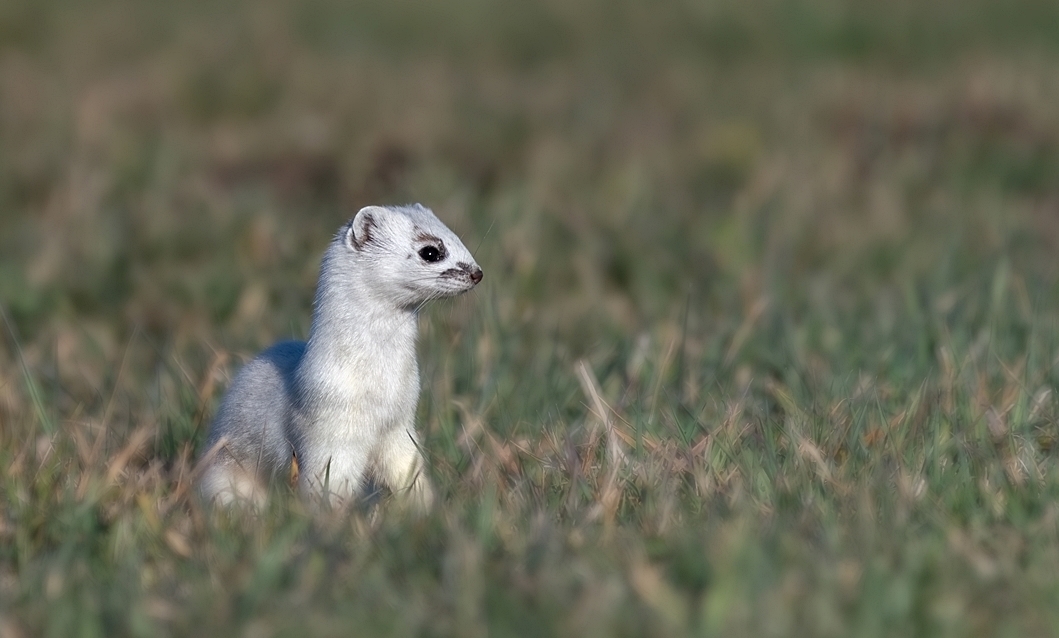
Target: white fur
344	401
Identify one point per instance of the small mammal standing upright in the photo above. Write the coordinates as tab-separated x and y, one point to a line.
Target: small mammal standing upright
344	401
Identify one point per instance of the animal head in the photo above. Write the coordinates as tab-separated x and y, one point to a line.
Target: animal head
413	257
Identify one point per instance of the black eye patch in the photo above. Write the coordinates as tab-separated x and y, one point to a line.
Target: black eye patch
432	254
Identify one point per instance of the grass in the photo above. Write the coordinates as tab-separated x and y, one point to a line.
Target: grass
767	342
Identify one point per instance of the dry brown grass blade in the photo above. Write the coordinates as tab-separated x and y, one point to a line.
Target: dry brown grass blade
599	404
101	435
812	452
473	426
661	374
117	465
610	494
207	386
183	486
745	329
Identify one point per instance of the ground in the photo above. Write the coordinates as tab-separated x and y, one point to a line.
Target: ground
767	342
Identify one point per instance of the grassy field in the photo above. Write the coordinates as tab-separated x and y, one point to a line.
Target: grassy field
767	343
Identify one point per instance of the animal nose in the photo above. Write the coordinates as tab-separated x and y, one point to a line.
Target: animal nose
476	275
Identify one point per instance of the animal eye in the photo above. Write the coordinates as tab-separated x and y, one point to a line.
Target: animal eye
431	254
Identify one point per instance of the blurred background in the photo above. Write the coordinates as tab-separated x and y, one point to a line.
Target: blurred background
788	227
178	168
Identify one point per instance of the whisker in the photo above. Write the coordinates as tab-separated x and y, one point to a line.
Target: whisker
480	241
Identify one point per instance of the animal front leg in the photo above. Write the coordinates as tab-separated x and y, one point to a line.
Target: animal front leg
401	468
336	477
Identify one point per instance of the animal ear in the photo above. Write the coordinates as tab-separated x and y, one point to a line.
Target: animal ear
361	230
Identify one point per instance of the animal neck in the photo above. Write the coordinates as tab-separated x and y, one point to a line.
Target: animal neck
352	323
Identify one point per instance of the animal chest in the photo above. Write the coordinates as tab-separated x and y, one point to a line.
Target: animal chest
379	393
